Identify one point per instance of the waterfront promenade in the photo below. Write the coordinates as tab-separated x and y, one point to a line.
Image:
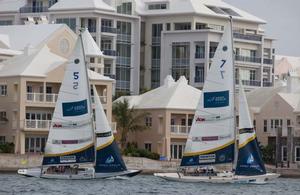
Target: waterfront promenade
12	162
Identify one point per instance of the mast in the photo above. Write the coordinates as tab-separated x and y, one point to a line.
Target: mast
236	147
89	92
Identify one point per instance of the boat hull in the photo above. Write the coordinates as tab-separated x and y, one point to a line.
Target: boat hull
257	179
81	175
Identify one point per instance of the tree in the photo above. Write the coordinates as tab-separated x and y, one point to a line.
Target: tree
128	120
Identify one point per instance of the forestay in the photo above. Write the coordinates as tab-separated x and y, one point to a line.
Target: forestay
211	139
70	139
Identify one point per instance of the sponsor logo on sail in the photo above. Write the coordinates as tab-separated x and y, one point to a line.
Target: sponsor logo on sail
75	108
216	99
110	160
250	159
207	158
67	159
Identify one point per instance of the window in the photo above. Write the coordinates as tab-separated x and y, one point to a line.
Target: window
199	73
265	125
156	30
200	50
252	75
223	11
125	8
284	153
183	26
168	26
148	146
35	144
297	153
3	90
276	123
177	150
148	121
2	140
5	22
201	26
254	124
3	117
52	2
288	122
71	22
157	6
92	60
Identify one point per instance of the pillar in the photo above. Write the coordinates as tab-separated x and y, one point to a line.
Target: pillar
290	145
278	145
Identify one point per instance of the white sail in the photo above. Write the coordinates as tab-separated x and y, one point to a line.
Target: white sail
211	139
71	133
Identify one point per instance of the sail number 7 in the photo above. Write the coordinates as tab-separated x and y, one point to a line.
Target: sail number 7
75	77
222	71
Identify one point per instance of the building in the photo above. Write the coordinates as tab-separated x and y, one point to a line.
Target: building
186	33
278	107
284	64
30	82
169	118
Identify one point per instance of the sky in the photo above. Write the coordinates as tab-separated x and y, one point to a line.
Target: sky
283	21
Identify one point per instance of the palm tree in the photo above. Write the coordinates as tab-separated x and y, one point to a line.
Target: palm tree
128	119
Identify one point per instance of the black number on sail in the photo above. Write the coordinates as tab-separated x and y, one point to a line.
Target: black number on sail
222	71
76	77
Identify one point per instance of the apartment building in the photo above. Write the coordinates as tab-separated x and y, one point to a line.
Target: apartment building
172	37
30	82
278	107
169	117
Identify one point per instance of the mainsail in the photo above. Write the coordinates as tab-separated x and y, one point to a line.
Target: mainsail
108	157
211	139
249	157
70	139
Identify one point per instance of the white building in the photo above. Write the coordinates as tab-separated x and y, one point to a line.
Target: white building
185	32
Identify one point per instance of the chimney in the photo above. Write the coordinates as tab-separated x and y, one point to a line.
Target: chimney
169	81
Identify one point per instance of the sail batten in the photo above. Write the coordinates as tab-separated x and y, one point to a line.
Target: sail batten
211	139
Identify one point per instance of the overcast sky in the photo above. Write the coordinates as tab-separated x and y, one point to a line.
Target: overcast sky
283	21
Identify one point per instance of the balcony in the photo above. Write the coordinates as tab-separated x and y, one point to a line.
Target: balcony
37	124
92	29
199	80
108	29
252	83
247	37
109	52
199	55
123	85
41	97
268	61
247	59
33	9
103	99
180	130
180	62
124	38
125	61
156	40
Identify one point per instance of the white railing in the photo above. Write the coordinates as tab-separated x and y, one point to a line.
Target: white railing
42	97
37	124
103	99
179	129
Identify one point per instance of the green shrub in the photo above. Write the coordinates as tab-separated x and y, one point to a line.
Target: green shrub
7	148
133	151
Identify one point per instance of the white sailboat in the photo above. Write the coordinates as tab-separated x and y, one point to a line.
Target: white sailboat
70	151
212	139
109	162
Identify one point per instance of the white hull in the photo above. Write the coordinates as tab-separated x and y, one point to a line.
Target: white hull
88	173
257	179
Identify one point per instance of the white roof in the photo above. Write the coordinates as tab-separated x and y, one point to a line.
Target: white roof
96	76
32	63
4	41
171	95
11	5
292	99
194	7
10	52
22	35
81	5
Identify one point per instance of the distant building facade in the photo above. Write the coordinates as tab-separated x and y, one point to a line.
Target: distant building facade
30	82
146	40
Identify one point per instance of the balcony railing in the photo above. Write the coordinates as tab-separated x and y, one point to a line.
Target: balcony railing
41	97
247	37
180	62
123	61
92	29
155	63
247	59
199	55
180	130
122	84
199	79
108	29
109	52
32	9
267	84
268	61
252	83
124	38
156	40
37	124
103	99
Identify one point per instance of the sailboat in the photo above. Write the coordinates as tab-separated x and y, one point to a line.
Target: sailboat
70	151
213	136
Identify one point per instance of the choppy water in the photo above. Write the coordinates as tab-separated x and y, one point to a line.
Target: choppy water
142	184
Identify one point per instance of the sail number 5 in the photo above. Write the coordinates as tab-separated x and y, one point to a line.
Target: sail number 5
222	71
75	77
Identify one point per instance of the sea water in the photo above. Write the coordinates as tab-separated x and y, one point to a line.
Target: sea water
141	184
